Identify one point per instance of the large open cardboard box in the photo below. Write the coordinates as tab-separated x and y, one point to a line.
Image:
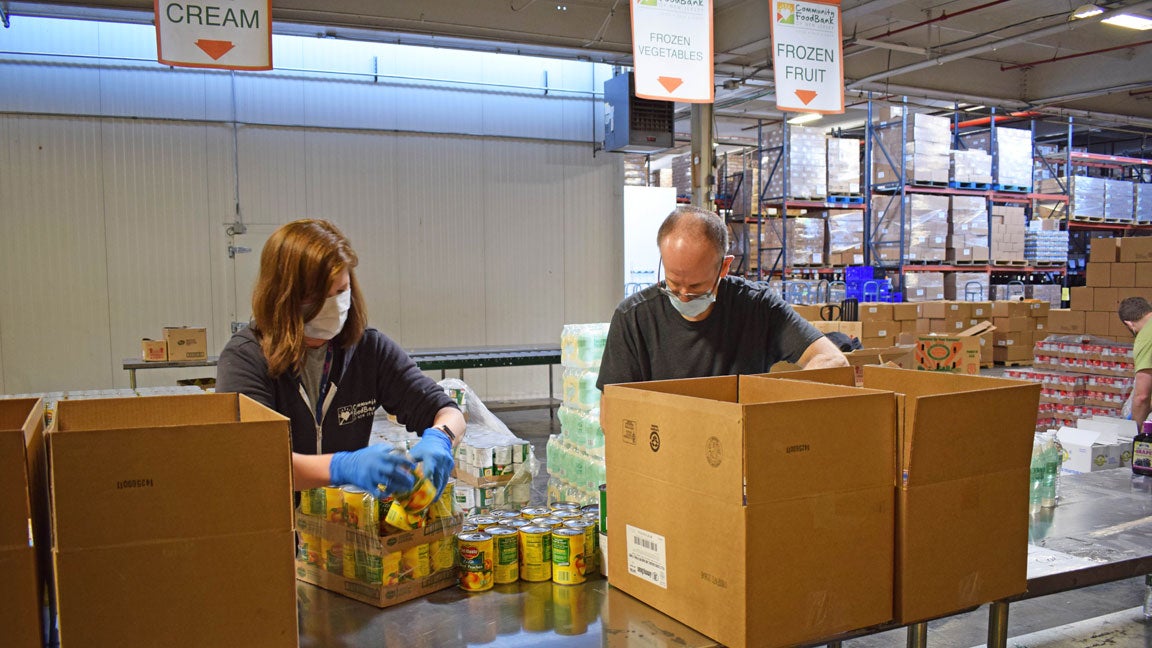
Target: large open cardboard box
172	522
758	512
965	447
23	522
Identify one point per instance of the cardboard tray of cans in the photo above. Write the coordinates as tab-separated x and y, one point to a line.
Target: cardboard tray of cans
343	553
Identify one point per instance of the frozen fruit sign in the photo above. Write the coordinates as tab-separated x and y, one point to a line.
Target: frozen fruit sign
807	56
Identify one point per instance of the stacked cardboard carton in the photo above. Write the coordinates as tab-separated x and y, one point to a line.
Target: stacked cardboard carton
968	229
923	286
973	167
926	149
1019	324
1085	195
966	286
925	228
1117	269
1007	235
1013	155
805	240
1142	206
845	237
1053	294
1044	242
1119	201
881	324
806	169
843	166
682	174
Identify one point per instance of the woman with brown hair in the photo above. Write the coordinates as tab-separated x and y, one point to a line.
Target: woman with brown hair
309	355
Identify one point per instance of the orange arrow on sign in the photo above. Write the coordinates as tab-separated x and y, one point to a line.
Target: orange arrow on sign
806	95
670	83
215	48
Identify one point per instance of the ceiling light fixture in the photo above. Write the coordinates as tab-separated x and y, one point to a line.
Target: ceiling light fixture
804	118
1129	21
1085	11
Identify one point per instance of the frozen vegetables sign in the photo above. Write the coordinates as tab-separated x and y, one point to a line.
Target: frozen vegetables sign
672	50
807	56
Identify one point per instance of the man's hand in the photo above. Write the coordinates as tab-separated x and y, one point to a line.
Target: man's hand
822	354
375	469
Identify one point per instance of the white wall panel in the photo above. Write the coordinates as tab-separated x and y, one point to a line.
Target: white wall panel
159	232
153	92
54	306
273	186
45	88
350	103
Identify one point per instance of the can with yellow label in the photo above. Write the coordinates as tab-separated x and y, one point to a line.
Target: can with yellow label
535	553
310	550
350	562
564	506
416	563
443	553
567	514
332	504
482	522
442	507
390	568
516	523
591	542
568	556
333	556
547	521
475	561
360	509
504	515
505	554
373	568
529	512
421	496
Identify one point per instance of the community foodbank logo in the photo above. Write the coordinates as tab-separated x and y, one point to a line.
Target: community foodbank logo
786	13
647	3
671	4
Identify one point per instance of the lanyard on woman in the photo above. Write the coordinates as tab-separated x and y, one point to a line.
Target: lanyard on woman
323	391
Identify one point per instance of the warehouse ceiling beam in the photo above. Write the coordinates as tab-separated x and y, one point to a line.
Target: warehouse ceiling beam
867	42
1032	64
1000	44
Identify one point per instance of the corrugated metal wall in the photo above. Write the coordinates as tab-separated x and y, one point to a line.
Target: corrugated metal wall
115	227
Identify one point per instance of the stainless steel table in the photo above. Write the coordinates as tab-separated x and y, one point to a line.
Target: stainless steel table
1100	532
132	365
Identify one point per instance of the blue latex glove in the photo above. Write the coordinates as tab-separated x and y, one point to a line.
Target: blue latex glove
375	469
435	450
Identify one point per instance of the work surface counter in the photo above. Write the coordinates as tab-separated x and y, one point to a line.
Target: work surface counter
1101	531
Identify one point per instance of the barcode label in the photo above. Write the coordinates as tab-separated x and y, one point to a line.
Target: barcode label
646	556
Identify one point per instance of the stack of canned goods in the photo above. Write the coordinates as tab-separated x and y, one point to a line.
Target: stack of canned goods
359	556
537	543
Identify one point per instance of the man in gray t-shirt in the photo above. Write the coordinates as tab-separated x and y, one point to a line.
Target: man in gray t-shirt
700	322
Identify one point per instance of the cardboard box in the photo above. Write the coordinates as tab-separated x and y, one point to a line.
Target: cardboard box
1143	274
911	311
1038	308
981	310
179	510
1097	323
23	521
1018	353
964	451
1041	327
387	593
799	508
852	329
874	329
1117	329
1010	309
933	309
1104	250
1013	324
807	311
1083	298
1124	275
1099	275
1065	321
872	312
1136	249
186	343
960	353
1087	450
1105	299
153	350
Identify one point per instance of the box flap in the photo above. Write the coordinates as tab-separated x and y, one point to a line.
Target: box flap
979	329
21	474
665	430
1111	428
845	376
121	485
825	439
956	425
1078	437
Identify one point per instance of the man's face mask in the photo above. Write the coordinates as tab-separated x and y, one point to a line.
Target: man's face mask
330	320
691	305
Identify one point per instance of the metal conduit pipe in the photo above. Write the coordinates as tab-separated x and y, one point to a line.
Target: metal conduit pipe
1005	68
991	47
943	16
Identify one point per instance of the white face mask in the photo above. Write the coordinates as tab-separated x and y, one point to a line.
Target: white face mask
330	320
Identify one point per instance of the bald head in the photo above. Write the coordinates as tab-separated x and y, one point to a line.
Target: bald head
695	227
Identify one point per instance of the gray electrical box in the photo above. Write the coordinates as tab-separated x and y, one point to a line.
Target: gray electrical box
632	124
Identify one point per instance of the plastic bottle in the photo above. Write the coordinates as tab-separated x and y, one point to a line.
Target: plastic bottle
1052	460
1142	451
1148	596
1037	471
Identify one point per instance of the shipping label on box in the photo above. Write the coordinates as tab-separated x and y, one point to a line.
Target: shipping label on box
186	344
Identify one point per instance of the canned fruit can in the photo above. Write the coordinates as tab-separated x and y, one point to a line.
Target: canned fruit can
547	521
306	502
603	510
402	519
475	551
333	556
360	509
421	496
350	562
535	553
591	542
505	554
529	512
591	508
564	506
464	528
373	569
442	507
390	564
416	563
332	504
505	515
567	514
310	550
483	521
443	554
568	563
517	523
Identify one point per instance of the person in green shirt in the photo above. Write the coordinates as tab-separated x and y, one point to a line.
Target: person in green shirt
1136	312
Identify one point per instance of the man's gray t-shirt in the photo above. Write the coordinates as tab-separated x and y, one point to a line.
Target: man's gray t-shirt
748	331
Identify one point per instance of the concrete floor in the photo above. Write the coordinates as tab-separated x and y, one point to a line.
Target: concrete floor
1107	615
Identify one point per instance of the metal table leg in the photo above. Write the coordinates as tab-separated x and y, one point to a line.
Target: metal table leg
998	625
551	413
132	378
918	635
